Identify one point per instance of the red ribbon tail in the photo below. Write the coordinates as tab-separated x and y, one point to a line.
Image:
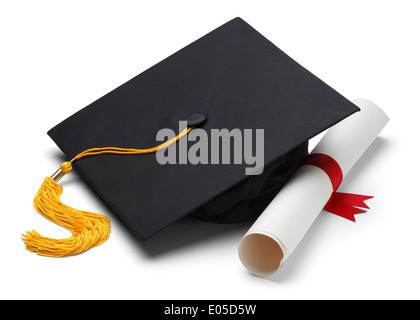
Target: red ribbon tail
346	205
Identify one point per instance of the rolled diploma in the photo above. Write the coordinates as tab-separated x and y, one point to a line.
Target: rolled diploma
283	224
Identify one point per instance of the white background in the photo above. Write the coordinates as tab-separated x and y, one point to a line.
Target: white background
58	56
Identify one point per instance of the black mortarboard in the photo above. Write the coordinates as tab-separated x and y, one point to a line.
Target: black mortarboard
238	80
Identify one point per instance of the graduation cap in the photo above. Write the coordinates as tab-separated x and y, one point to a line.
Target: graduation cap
231	79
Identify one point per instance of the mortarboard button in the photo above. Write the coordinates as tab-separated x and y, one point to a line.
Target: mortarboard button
196	119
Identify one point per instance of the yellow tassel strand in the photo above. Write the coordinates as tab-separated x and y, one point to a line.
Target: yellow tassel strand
88	229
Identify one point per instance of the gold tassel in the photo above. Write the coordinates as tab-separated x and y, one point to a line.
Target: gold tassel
88	229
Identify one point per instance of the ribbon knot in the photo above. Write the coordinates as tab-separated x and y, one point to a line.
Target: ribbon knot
345	205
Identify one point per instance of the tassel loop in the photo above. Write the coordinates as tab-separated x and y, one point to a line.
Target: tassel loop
66	167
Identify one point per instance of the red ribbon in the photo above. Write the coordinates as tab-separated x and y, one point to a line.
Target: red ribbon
345	205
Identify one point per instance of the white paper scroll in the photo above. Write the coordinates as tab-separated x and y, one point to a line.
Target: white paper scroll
283	224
